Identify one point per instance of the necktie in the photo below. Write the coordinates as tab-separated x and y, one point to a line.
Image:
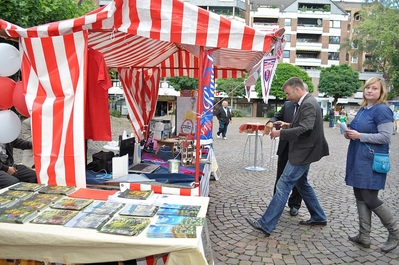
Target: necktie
296	108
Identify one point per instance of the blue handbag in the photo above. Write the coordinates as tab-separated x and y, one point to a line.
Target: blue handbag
381	163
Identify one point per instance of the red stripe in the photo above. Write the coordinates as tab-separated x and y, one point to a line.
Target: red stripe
224	26
74	67
248	38
157	189
177	23
185	192
267	44
133	17
202	27
118	14
156	19
134	186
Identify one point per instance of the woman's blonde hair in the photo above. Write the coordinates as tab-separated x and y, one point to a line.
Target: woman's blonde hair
383	95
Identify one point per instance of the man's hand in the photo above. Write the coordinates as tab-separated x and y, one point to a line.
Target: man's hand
268	128
275	134
281	125
12	171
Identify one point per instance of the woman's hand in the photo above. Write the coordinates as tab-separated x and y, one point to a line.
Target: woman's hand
352	134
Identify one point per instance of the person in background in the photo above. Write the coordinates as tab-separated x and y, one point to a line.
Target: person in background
396	121
10	173
332	117
307	144
223	115
26	134
343	118
372	125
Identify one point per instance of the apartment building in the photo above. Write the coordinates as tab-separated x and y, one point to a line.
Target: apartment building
314	30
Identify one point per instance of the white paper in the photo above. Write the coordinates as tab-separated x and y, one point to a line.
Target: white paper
120	166
343	127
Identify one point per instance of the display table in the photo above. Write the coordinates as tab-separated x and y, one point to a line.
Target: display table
53	243
251	128
168	142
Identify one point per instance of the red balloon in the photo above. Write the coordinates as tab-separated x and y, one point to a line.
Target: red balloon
7	86
18	99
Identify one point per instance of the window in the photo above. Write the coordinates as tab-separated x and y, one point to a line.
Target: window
335	24
354	59
287	22
335	39
355	44
287	37
286	54
356	17
333	56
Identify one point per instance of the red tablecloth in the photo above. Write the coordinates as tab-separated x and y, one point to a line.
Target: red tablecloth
251	127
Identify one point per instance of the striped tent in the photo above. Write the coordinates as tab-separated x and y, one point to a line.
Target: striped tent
144	40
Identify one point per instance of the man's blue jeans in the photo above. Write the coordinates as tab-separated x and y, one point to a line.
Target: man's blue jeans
332	122
222	129
292	176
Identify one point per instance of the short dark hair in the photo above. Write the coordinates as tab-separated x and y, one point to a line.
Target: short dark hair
294	82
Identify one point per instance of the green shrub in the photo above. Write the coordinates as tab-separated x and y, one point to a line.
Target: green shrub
270	113
236	113
115	113
326	117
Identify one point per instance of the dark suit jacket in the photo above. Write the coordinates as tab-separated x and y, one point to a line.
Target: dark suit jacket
307	143
221	115
17	143
286	114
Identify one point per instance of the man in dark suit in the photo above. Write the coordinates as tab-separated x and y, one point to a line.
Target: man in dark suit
286	114
307	144
224	117
10	173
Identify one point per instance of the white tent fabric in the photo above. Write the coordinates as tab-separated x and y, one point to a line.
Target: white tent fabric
165	34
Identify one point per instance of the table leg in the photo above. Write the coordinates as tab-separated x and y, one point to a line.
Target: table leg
254	167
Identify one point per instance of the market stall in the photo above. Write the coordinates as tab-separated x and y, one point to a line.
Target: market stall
144	40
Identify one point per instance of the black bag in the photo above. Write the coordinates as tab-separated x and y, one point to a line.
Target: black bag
101	161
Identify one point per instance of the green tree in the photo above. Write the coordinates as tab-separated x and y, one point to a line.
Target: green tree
183	83
339	81
284	71
377	35
234	87
29	13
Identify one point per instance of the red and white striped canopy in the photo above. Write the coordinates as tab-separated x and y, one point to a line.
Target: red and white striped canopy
167	35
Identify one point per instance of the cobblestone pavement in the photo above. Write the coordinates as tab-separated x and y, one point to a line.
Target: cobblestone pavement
240	192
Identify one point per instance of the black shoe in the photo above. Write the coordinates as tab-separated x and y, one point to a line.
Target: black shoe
294	211
255	225
311	222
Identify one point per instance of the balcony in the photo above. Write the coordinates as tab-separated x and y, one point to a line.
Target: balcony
308	46
308	61
310	29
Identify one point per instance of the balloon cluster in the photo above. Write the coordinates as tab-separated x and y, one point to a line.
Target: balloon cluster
11	94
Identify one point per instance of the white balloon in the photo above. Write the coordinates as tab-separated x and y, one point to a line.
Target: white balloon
11	126
10	59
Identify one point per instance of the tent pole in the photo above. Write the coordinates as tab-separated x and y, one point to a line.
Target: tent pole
198	117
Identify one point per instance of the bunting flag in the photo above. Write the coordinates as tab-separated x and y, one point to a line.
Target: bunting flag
268	69
252	79
248	93
279	47
208	86
141	87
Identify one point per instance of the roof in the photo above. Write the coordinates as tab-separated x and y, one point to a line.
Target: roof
165	33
